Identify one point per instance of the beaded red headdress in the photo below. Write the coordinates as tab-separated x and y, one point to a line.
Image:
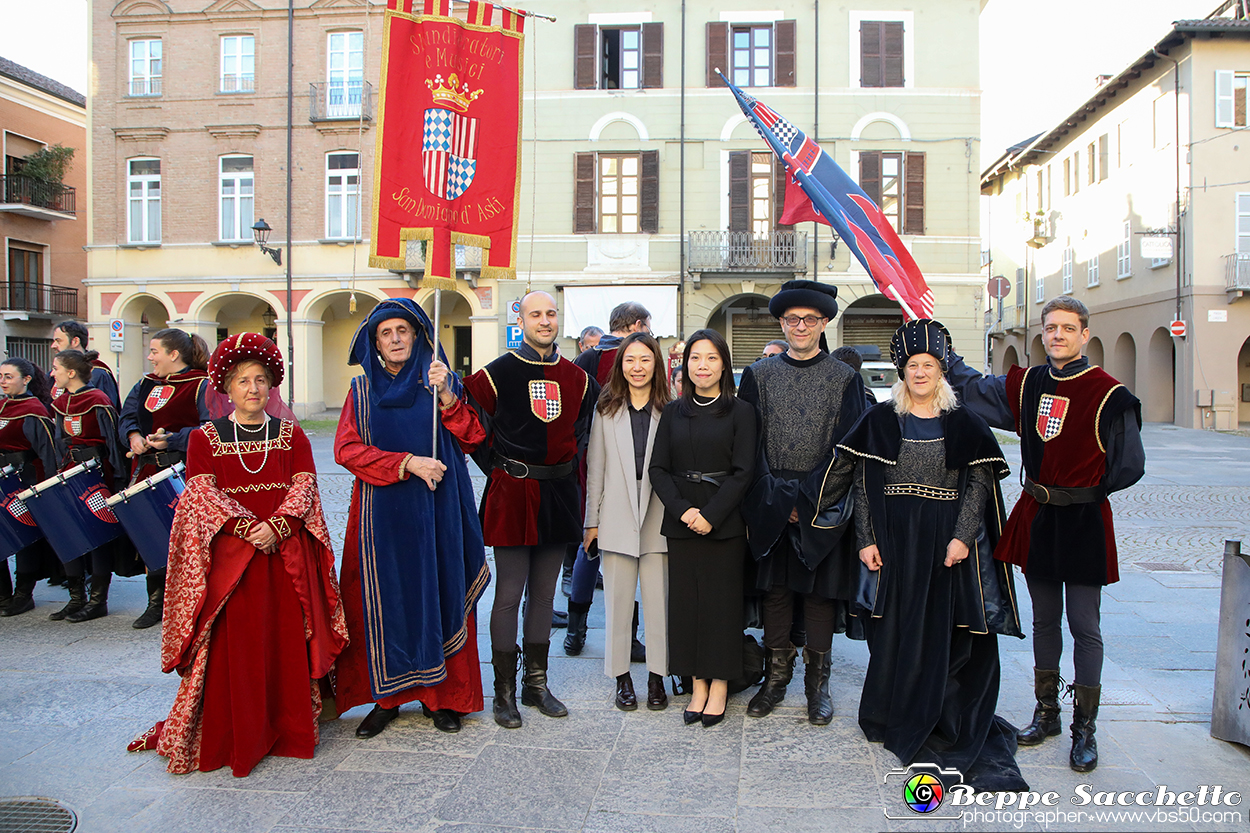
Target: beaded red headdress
245	347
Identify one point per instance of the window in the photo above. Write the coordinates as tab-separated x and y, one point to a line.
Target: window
617	193
1091	164
762	193
880	53
1230	98
1039	289
238	64
342	195
25	265
1124	254
237	194
1041	205
143	201
752	55
1076	172
1068	256
145	67
1243	224
1104	155
1164	120
345	74
1067	177
618	57
895	182
757	187
1091	271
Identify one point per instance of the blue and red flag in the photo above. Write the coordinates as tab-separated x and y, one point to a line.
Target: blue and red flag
825	194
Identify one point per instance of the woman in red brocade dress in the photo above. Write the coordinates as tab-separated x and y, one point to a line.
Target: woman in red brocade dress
252	612
86	429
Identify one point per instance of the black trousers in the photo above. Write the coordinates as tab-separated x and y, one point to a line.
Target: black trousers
519	570
818	619
1084	622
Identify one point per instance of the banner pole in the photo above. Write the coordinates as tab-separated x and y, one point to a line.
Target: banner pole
438	308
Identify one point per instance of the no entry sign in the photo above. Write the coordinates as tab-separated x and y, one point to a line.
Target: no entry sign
1178	328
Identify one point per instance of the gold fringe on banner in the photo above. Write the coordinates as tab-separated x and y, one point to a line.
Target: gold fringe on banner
431	282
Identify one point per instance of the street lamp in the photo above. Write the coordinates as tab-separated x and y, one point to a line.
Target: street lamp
261	232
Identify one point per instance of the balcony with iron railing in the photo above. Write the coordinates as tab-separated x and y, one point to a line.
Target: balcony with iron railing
40	299
1237	274
238	84
745	251
999	321
145	87
336	101
30	197
468	258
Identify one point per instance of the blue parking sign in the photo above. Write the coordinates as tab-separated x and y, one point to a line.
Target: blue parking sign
514	337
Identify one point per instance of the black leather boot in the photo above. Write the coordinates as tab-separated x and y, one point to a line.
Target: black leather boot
156	601
1084	757
77	598
22	600
575	639
637	651
534	691
816	670
773	690
504	704
1046	721
97	603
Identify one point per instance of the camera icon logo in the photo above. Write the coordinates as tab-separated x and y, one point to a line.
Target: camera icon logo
920	791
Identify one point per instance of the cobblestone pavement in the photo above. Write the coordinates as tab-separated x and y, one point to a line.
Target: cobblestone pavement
71	696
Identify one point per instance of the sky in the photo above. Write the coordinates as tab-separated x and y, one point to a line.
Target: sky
1038	60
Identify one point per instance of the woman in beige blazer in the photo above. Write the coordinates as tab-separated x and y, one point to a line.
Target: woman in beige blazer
624	515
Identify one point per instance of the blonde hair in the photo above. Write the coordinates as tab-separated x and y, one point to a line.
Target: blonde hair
944	398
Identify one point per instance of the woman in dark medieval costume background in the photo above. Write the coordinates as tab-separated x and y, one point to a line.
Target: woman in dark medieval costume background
253	618
928	511
26	442
157	419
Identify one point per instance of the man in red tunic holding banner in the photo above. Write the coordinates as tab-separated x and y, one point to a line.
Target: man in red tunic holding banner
1080	440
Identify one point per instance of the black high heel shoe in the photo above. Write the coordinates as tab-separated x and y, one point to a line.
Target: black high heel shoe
710	720
691	717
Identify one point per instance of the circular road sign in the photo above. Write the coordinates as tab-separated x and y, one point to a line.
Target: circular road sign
1178	328
999	287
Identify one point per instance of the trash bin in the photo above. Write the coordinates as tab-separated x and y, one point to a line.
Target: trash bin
1230	705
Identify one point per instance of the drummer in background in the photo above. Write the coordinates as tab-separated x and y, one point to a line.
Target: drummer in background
254	615
71	335
86	429
159	415
26	442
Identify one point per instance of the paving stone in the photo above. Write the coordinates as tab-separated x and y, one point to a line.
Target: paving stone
370	801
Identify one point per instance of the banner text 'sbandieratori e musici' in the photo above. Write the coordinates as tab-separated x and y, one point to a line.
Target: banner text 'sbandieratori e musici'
448	153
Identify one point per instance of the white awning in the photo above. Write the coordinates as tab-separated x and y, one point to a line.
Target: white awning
587	306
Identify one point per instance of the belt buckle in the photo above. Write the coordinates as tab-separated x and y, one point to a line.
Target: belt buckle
694	476
1044	491
522	465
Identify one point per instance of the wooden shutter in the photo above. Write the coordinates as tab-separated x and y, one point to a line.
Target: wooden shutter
652	56
913	194
779	195
649	192
584	214
783	54
870	70
870	174
1225	100
717	52
740	190
585	56
892	55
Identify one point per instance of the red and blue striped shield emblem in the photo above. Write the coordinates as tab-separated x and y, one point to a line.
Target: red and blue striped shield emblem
448	152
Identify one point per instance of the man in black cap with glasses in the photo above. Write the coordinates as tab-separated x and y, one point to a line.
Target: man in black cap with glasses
806	401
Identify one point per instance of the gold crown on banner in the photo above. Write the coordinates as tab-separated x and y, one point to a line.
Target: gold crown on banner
448	94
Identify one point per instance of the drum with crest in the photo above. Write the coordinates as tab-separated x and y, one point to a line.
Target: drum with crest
146	511
72	510
18	529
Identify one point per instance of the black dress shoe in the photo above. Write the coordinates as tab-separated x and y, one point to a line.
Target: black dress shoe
445	720
710	720
657	700
375	721
626	699
559	619
691	717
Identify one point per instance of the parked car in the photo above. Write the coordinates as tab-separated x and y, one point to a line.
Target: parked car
879	378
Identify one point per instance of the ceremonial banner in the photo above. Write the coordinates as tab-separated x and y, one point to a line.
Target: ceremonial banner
449	148
817	189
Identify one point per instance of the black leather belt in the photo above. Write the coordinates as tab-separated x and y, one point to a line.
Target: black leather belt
82	454
530	471
160	459
17	459
1064	496
703	476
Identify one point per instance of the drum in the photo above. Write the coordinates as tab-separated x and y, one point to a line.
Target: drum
72	510
18	529
146	511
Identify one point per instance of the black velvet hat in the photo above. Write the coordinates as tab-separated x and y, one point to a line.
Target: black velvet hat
800	293
924	335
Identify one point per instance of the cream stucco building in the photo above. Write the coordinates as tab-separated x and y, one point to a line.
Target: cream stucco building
1068	211
623	196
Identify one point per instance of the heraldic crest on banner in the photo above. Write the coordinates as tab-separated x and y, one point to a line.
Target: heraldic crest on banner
452	88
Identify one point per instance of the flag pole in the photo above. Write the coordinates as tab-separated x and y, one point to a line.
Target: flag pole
438	309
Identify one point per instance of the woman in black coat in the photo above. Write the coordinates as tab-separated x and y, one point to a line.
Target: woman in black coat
701	466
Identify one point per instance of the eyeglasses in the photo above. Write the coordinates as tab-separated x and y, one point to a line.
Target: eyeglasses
794	320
